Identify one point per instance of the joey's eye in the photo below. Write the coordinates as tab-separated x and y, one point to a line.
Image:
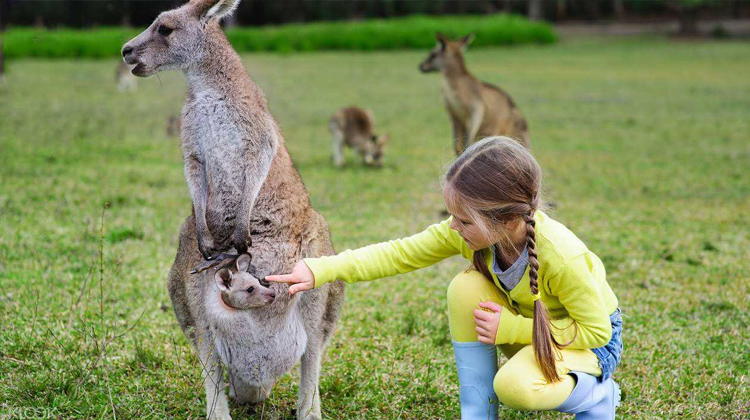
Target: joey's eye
250	290
164	30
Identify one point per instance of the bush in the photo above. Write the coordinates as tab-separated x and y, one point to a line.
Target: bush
399	33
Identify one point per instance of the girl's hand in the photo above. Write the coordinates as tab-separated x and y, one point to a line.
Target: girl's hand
301	278
487	322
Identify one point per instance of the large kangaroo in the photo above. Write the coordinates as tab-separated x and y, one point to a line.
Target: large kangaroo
477	109
235	162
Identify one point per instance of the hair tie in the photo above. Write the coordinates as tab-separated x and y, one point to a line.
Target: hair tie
536	297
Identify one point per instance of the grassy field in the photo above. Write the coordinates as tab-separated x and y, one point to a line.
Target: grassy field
646	152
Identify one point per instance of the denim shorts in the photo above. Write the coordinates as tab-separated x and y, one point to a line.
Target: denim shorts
609	355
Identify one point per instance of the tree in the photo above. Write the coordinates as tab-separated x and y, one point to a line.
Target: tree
688	12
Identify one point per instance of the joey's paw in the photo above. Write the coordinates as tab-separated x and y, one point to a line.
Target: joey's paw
220	260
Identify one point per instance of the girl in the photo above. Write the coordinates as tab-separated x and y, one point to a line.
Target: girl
534	290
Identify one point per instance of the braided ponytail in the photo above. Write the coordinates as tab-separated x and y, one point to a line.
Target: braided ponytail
542	340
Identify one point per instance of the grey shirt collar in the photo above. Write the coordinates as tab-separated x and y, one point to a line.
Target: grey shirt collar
512	276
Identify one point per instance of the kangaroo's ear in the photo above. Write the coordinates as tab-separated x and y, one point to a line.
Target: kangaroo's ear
442	39
465	41
223	279
243	263
382	140
210	9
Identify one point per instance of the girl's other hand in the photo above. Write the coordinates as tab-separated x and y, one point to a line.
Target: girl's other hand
487	322
300	279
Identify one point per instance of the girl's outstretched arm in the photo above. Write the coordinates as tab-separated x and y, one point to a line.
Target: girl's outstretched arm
300	279
428	247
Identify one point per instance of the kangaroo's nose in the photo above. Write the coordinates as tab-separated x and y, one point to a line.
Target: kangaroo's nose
126	50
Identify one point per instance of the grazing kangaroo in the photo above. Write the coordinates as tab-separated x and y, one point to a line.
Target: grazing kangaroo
235	162
125	79
477	109
353	127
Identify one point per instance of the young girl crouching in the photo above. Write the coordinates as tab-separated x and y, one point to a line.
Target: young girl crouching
534	290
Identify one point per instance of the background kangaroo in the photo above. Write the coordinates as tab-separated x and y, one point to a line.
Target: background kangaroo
125	79
353	127
476	109
236	161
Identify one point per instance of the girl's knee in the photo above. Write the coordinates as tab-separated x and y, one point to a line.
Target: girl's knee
515	389
467	288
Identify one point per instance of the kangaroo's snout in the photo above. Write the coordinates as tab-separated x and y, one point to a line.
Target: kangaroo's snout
126	50
128	54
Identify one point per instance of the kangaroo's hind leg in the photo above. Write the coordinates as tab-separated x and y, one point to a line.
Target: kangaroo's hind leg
217	406
337	143
177	280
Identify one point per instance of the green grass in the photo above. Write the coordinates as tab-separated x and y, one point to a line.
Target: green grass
401	33
645	149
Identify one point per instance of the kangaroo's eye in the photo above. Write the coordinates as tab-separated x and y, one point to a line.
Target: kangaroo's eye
250	290
164	30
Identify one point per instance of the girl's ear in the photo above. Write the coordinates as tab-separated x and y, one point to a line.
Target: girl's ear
243	263
223	279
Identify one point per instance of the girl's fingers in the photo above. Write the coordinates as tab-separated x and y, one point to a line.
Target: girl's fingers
485	316
494	307
482	332
300	287
283	278
296	288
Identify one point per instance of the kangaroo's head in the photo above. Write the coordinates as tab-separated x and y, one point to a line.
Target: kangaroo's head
446	52
242	290
178	38
374	149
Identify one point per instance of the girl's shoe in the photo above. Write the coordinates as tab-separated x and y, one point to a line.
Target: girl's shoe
477	366
591	399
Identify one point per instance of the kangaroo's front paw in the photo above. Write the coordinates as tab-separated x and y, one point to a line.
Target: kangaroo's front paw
241	240
207	247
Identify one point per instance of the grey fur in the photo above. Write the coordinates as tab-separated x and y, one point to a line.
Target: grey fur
244	187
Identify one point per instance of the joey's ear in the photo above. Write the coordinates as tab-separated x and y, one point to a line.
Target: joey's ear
223	279
465	41
210	9
382	140
442	39
243	263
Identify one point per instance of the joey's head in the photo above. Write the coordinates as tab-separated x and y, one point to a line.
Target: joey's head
178	38
240	289
446	52
374	150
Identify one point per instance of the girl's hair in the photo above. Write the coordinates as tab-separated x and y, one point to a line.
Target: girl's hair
495	181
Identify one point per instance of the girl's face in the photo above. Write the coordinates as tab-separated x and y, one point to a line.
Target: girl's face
470	231
474	237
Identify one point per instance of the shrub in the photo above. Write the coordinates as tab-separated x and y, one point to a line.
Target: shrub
398	33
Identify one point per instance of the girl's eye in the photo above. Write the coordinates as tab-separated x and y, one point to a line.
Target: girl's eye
164	30
250	290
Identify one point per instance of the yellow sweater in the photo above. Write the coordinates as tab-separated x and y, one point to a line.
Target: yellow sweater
572	279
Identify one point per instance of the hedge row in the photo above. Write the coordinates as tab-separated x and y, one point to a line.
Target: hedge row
397	33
